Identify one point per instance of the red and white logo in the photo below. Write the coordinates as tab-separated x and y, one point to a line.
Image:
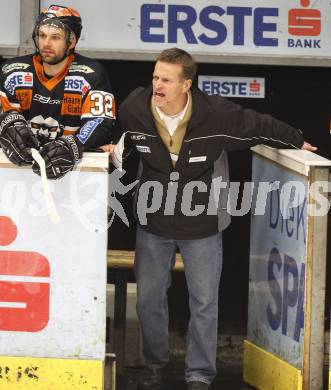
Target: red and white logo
304	21
24	285
28	78
254	87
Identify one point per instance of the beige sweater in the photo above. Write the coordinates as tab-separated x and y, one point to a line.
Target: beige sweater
173	143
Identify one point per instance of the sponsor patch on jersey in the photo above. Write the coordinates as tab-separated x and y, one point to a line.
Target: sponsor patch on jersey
18	79
87	130
45	99
76	83
138	137
80	68
24	96
15	66
197	159
143	149
71	104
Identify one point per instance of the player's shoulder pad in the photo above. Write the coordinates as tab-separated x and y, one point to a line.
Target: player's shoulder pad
17	64
85	66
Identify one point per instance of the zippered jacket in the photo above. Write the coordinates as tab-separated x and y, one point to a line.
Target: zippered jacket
189	200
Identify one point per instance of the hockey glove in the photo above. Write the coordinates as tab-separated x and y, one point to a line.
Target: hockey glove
16	138
60	156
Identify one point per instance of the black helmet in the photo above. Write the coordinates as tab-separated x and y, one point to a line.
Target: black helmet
63	17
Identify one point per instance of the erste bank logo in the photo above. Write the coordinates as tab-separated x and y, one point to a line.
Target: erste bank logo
24	285
232	24
229	86
304	22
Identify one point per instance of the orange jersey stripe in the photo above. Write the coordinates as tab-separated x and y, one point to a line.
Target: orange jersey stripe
68	132
7	105
24	96
50	83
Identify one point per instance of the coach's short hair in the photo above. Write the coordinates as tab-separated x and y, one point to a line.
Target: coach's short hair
180	57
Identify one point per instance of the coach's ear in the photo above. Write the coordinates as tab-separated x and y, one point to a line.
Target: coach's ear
187	85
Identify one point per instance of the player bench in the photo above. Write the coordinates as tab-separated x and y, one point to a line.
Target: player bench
120	262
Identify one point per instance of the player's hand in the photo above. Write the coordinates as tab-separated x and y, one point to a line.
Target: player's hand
309	147
16	138
60	156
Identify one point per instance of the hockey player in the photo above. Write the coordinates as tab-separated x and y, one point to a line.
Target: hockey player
55	100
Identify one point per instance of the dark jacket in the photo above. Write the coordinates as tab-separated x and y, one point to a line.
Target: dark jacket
216	125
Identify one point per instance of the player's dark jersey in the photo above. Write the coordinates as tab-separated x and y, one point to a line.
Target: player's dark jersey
78	100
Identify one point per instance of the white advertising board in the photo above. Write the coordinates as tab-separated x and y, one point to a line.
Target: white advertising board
277	264
53	276
9	22
262	27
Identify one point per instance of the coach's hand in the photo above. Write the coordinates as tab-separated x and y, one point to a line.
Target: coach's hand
309	147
